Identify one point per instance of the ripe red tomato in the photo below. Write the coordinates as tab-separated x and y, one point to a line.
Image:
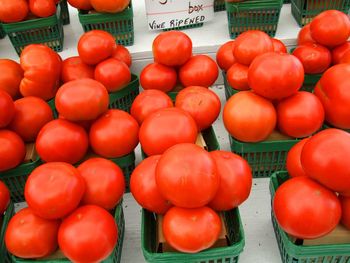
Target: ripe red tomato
84	124
251	44
237	77
172	48
4	198
62	141
89	234
242	124
201	103
144	188
304	36
278	46
276	75
330	28
95	46
12	150
30	236
293	161
299	204
158	76
199	70
345	58
224	56
191	230
102	176
7	109
13	11
10	77
339	51
148	102
235	180
165	128
114	134
74	68
123	54
345	207
42	8
81	4
109	6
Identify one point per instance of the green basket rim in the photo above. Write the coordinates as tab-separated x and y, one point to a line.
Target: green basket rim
132	85
253	5
22	168
86	18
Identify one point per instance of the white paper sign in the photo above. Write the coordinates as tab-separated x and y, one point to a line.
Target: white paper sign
164	14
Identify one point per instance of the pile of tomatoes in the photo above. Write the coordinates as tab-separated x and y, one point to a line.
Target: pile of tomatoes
102	6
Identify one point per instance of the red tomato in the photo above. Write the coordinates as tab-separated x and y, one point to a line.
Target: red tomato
345	58
224	56
7	109
330	28
84	124
299	204
276	75
345	205
109	6
165	128
144	188
95	46
235	181
80	4
191	230
172	48
123	54
201	103
148	102
157	76
12	150
293	161
113	74
42	8
237	77
74	68
114	134
278	46
30	236
89	234
4	198
242	124
10	77
13	11
251	44
339	51
62	141
102	176
304	36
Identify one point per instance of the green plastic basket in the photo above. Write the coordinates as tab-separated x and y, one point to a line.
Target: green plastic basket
64	12
172	95
47	31
310	82
4	255
127	164
253	15
292	253
219	5
2	32
229	91
305	10
286	1
120	25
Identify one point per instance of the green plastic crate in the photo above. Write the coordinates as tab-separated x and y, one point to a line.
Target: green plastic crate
253	15
286	1
2	32
310	82
219	5
229	91
172	95
120	25
4	255
305	10
47	31
292	253
127	164
64	12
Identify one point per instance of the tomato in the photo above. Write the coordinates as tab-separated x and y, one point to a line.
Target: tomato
251	44
165	128
74	68
278	46
158	76
148	102
95	46
237	77
300	115
13	11
42	8
201	103
144	188
114	134
191	230
10	77
304	36
299	204
242	124
339	51
89	234
12	150
4	198
123	54
7	109
62	141
224	56
276	75
109	6
30	236
31	114
102	176
333	90
235	180
172	48
345	58
330	28
80	4
293	161
345	205
42	70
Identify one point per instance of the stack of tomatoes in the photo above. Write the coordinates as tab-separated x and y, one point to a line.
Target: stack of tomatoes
102	6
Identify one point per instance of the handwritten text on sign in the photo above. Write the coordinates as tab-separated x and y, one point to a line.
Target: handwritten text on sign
163	14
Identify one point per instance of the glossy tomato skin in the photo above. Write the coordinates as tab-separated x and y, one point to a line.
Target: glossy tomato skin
7	109
345	58
74	68
172	48
4	197
237	77
114	134
339	51
62	141
81	4
42	8
299	204
304	36
144	188
12	150
276	75
10	77
191	230
30	236
235	180
199	70
102	176
148	102
224	56
13	11
109	6
293	161
159	77
89	234
243	125
165	128
278	46
123	54
345	205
